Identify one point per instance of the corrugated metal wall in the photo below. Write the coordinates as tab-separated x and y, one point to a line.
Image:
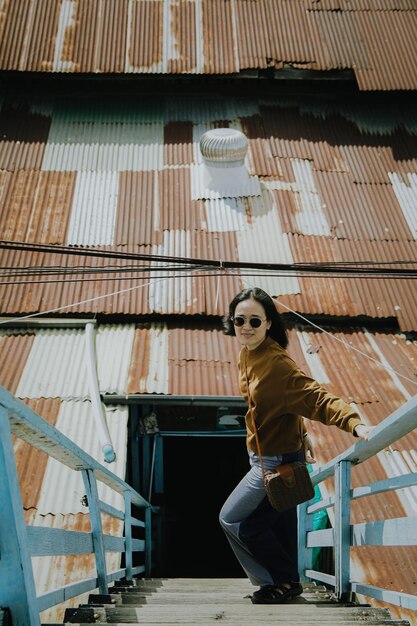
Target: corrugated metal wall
373	38
328	182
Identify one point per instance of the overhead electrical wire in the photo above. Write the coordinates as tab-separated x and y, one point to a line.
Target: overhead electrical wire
155	263
224	273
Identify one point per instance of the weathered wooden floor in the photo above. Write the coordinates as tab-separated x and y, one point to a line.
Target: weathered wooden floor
207	601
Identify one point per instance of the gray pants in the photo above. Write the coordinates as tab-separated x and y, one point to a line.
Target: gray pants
263	540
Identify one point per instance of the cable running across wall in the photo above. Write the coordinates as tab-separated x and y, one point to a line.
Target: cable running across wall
223	274
344	269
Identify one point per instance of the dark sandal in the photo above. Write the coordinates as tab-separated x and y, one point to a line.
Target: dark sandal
276	594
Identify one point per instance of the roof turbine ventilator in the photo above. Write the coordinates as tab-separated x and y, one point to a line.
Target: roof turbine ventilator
224	147
224	151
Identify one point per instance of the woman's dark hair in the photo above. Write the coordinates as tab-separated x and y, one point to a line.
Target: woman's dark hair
277	331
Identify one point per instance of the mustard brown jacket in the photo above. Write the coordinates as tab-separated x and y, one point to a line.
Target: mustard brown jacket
281	395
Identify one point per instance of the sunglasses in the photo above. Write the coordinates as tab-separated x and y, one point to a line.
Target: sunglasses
255	322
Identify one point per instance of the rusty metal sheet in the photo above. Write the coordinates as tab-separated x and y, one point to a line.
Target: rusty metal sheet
136	209
395	298
18	205
178	143
13	24
360	5
361	211
86	35
74	296
369	163
14	352
376	298
390	42
112	42
31	462
145	44
337	40
62	489
16	155
219	48
140	360
37	206
202	362
183	25
177	211
281	34
54	572
324	294
38	52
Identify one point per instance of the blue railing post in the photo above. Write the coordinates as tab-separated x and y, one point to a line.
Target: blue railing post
128	535
148	541
305	555
17	588
342	530
90	484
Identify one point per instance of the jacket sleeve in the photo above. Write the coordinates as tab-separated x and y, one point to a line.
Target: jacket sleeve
304	396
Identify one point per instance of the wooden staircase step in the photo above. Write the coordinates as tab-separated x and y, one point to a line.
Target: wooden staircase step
205	601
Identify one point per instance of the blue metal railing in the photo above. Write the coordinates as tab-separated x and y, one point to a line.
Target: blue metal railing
391	532
20	542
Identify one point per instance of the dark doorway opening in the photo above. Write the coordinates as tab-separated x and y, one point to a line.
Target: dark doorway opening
199	474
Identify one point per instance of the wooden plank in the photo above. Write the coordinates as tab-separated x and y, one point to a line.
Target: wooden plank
90	485
319	506
46	600
110	510
128	535
47	541
305	554
401	531
148	540
320	576
243	613
320	538
405	600
390	484
183	598
67	592
342	529
138	545
113	544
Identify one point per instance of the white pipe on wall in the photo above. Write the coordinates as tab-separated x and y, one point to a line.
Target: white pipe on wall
98	410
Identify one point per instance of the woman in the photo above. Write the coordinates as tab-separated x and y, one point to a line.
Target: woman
263	540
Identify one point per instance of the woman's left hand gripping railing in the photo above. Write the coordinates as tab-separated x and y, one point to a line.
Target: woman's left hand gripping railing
20	542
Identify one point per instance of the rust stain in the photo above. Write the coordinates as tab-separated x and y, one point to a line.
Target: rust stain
31	462
14	352
140	360
135	208
68	44
111	49
177	210
183	27
18	204
52	208
36	206
219	44
146	40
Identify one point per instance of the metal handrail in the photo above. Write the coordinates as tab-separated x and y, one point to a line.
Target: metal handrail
20	542
399	531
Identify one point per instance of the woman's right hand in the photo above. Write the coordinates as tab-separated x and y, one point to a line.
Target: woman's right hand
308	450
